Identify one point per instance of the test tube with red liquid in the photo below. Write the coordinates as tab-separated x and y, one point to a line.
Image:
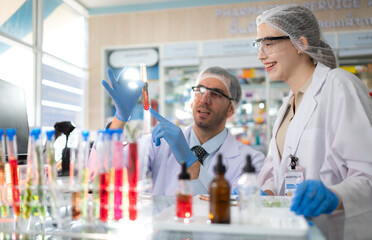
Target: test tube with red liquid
13	163
145	90
119	170
104	176
3	200
100	161
133	171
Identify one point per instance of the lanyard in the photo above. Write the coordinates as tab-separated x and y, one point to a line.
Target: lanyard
293	176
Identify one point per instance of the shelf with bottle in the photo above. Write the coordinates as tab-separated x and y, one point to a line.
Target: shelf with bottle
178	83
261	99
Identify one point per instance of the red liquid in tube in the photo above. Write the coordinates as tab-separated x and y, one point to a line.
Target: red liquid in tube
145	96
132	180
118	194
13	163
104	195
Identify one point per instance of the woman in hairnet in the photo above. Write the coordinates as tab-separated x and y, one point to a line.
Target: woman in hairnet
321	150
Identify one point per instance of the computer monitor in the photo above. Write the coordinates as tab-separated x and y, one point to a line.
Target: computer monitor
13	114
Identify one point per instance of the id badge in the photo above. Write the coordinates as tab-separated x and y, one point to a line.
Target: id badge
293	176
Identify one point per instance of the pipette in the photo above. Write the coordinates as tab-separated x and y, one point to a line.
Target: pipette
145	90
13	163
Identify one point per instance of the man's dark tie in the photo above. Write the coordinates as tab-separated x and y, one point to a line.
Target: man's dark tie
200	153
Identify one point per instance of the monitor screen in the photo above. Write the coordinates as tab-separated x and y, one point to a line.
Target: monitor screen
13	114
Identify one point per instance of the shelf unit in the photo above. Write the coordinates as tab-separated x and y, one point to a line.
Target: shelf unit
253	121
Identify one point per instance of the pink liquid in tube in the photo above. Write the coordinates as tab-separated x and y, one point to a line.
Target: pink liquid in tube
118	194
132	180
104	195
13	163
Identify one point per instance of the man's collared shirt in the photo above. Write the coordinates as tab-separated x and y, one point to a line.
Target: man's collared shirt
211	147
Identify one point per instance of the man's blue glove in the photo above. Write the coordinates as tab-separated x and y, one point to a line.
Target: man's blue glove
124	92
312	198
174	137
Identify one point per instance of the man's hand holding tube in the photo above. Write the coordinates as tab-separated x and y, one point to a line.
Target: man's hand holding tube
312	198
174	137
124	92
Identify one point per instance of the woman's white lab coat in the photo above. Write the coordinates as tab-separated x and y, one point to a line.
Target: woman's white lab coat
331	134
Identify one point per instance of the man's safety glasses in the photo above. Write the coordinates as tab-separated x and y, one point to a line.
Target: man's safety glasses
215	94
269	45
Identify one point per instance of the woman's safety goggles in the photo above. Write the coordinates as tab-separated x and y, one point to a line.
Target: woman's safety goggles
269	45
214	95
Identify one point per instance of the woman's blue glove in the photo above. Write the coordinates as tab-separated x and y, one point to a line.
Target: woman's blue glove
124	93
312	198
174	137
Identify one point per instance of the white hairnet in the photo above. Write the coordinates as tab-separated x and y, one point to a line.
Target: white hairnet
230	81
296	21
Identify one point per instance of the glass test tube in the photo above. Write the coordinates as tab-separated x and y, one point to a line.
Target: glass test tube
104	176
3	188
52	174
145	91
133	174
40	171
13	163
52	168
119	174
100	158
74	184
83	174
34	199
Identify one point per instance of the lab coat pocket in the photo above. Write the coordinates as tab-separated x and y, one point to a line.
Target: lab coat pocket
310	152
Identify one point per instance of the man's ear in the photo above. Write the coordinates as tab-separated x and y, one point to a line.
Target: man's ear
303	43
231	111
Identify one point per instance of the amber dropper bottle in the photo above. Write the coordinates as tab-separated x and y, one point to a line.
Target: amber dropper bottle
219	190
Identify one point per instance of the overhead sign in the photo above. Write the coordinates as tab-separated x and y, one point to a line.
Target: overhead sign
181	50
355	44
127	57
229	48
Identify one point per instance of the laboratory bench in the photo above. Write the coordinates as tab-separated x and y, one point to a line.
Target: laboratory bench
156	220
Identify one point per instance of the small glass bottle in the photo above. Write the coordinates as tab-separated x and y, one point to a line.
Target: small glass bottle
219	190
184	196
249	194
